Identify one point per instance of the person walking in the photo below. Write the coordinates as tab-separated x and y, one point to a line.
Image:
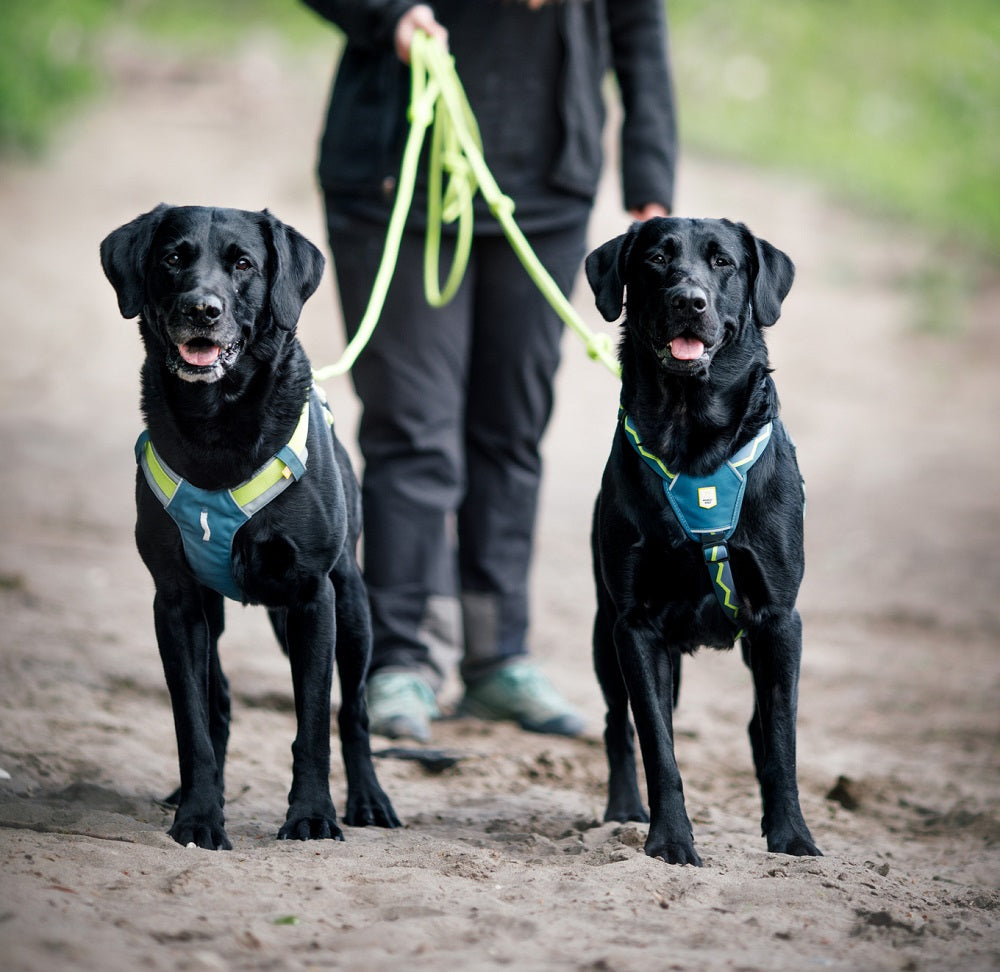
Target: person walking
455	399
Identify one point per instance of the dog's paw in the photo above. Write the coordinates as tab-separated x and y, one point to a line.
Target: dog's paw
206	835
625	812
797	845
673	851
788	834
371	809
314	827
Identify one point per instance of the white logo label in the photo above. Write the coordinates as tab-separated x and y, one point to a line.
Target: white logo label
707	498
207	535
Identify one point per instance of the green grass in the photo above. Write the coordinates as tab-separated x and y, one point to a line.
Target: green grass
894	103
197	25
52	49
47	67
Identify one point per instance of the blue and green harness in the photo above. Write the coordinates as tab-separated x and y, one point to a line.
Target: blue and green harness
708	508
208	520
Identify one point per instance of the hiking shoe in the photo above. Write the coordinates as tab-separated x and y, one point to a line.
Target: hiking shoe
520	692
400	704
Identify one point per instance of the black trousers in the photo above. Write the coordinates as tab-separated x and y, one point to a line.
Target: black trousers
455	401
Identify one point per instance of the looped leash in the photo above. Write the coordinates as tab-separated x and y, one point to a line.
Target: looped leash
437	98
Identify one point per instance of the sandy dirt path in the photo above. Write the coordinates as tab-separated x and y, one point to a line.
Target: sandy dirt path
503	860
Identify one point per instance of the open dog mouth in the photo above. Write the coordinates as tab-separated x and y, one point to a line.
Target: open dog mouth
685	348
201	359
685	353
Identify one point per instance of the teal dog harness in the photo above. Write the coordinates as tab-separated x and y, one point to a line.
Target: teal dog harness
209	520
708	507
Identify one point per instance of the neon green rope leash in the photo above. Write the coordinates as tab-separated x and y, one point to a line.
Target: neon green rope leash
437	97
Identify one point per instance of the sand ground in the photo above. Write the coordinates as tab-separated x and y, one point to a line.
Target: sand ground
503	860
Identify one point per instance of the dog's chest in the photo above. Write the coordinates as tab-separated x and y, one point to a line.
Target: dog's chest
232	538
707	508
696	516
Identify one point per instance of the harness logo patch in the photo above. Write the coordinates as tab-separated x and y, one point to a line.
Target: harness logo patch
207	535
707	498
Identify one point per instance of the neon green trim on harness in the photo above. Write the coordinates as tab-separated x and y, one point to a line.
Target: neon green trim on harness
208	520
654	461
437	98
708	507
277	471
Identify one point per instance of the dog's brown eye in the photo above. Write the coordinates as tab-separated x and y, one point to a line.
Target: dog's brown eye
657	258
172	259
721	261
243	263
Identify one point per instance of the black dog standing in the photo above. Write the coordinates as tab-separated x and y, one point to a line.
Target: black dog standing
244	491
698	528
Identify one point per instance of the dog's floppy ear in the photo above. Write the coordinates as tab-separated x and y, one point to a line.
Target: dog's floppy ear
296	269
605	269
123	257
775	273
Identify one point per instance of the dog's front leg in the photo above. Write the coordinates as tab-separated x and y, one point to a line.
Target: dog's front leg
624	801
773	655
190	665
218	690
647	667
218	685
367	803
310	631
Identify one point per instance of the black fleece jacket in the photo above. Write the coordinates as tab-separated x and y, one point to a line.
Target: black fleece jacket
576	41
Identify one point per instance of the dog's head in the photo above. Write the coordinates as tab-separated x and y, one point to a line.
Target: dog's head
691	286
211	284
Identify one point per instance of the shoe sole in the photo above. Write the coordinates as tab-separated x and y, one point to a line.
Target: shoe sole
564	725
402	728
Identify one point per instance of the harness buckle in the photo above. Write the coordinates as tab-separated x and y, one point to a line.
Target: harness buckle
715	552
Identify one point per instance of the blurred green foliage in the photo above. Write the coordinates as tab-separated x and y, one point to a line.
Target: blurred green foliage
53	49
893	102
48	64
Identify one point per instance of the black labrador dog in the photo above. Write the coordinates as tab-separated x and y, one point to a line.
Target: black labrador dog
698	535
244	491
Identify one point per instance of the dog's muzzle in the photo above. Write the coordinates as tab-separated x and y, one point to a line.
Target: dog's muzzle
201	359
203	344
689	351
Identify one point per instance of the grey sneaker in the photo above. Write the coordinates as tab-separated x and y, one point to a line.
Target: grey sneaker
400	704
521	693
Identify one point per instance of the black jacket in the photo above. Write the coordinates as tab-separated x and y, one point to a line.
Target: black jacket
367	124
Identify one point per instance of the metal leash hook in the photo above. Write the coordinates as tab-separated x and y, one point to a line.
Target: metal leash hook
437	98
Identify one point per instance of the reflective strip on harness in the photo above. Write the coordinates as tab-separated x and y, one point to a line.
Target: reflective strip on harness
708	507
721	575
208	520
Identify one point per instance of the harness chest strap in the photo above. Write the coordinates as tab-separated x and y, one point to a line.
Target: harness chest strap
208	520
708	507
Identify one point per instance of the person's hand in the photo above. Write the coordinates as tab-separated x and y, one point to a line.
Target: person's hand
648	211
420	17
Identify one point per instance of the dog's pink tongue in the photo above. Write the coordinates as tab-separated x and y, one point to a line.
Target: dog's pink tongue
201	356
686	349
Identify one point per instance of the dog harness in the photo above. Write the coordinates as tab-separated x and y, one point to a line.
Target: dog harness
209	519
708	508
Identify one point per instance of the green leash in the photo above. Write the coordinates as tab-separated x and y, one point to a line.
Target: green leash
437	98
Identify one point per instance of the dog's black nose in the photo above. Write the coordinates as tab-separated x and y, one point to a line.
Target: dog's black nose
689	299
202	310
